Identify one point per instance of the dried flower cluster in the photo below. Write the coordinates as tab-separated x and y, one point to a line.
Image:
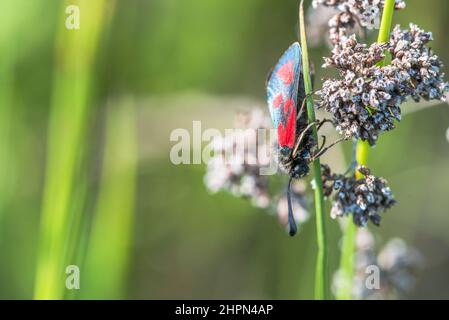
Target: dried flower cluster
353	14
419	69
366	100
234	173
318	24
243	179
364	198
397	264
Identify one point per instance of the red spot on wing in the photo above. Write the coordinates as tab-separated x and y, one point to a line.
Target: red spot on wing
288	105
286	136
290	134
281	135
277	101
285	73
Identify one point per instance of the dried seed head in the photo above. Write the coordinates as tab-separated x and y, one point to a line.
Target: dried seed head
352	15
365	101
364	198
318	24
238	175
419	68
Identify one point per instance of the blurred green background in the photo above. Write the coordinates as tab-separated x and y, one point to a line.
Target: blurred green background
85	118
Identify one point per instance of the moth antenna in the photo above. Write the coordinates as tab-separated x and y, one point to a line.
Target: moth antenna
292	228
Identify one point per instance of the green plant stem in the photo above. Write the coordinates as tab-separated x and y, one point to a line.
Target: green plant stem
321	273
347	261
75	50
348	248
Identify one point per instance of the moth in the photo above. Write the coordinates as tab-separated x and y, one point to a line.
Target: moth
286	99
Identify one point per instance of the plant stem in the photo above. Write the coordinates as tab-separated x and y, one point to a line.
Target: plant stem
348	248
75	51
321	273
347	261
385	24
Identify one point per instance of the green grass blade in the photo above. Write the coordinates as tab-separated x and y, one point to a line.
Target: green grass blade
75	52
322	272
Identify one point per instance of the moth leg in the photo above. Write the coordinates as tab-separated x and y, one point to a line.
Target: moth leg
323	150
301	137
322	122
